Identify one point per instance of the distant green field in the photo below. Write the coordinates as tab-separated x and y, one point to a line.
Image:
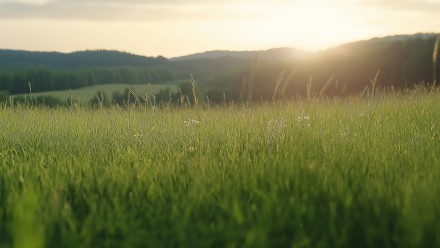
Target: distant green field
85	94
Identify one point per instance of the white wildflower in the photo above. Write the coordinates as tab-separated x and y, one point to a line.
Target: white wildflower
275	130
344	135
303	118
190	122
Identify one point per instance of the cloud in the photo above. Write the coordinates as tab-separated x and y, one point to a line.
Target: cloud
158	10
405	5
82	10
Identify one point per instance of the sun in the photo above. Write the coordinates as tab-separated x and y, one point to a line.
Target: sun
319	24
309	25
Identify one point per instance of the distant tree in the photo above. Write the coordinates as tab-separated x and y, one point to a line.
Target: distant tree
20	84
4	97
100	100
164	96
129	75
117	98
21	100
129	97
91	77
215	96
48	101
6	80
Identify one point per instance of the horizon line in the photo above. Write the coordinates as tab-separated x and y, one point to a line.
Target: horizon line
219	50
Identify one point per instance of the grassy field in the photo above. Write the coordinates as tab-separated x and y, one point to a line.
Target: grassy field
361	172
85	94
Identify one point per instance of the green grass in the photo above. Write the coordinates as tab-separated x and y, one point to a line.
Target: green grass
85	94
341	173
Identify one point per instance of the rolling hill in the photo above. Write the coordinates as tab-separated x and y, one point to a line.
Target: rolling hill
399	61
275	54
96	58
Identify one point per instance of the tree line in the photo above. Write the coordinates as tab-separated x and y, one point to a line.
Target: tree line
49	79
90	58
186	95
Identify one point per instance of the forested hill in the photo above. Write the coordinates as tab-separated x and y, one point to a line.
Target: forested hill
96	58
398	61
275	54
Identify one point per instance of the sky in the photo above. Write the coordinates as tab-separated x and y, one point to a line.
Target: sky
179	27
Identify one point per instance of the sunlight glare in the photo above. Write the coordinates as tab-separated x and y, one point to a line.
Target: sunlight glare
310	25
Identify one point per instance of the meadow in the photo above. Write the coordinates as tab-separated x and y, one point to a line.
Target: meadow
354	172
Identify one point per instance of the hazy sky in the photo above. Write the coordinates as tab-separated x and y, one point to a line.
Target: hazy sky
179	27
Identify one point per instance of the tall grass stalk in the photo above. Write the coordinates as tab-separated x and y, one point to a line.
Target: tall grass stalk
288	80
276	94
435	59
193	86
249	81
309	88
326	84
374	83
